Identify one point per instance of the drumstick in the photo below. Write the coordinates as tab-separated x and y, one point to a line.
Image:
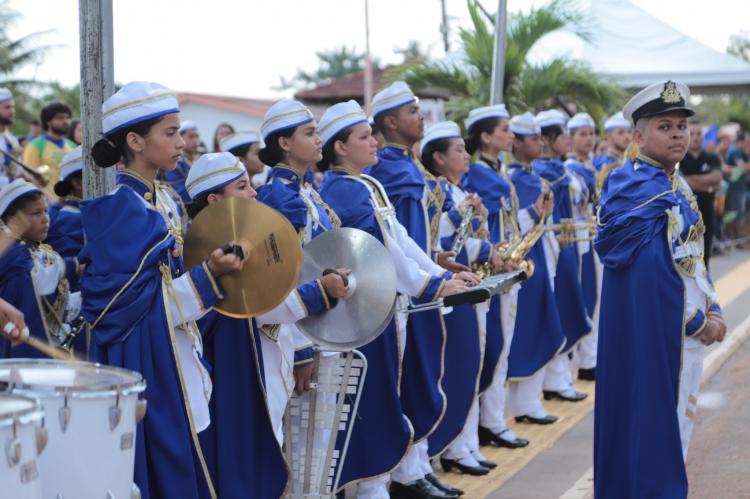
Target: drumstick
42	346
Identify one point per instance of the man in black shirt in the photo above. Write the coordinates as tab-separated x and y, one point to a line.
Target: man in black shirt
702	170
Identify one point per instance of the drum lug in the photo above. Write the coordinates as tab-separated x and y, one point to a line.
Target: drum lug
41	439
135	492
63	415
114	417
115	414
13	451
140	412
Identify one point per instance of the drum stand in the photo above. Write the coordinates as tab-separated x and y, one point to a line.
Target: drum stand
318	424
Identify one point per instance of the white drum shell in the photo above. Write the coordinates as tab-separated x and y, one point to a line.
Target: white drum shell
21	480
86	459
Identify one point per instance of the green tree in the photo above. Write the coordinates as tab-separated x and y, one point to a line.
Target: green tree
332	64
468	74
739	45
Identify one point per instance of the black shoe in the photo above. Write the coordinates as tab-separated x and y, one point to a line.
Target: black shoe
487	437
490	465
587	374
548	419
576	397
421	489
434	480
449	464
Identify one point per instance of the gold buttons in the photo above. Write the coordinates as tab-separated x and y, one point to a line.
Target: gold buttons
176	252
148	196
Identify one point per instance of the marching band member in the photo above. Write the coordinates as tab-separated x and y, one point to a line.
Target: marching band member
582	130
245	145
443	153
33	277
538	336
176	177
240	445
658	307
65	227
361	202
8	143
618	136
419	208
292	146
558	381
489	135
139	300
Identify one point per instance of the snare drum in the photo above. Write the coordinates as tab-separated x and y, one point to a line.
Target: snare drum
22	439
91	416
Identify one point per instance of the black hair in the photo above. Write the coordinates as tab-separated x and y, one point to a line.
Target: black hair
20	203
273	154
72	131
552	132
379	119
740	136
375	128
329	158
51	110
216	134
107	152
197	204
474	137
35	121
240	151
439	145
64	187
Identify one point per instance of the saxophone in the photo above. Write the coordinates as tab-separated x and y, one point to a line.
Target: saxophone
462	233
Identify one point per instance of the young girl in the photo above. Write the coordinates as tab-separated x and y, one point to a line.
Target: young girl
538	336
65	226
558	381
246	146
33	277
139	300
444	155
242	450
381	435
582	130
489	135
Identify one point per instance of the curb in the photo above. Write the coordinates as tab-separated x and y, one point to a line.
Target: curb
583	488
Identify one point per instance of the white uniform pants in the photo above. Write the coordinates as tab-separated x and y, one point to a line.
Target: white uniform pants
557	374
416	464
278	366
690	383
524	396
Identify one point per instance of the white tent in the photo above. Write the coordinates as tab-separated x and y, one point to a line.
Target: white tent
636	49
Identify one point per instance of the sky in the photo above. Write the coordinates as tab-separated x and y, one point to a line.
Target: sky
243	47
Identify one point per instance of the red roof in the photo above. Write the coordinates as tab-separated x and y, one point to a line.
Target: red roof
352	86
251	107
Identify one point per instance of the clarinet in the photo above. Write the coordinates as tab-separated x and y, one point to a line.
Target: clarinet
462	233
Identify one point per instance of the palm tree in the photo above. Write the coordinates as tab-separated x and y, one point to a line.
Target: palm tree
467	75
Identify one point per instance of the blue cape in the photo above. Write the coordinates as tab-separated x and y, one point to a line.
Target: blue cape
637	446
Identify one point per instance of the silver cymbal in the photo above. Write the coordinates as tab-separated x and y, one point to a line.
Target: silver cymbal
360	317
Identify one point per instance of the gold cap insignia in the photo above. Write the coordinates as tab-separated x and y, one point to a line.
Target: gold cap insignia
671	95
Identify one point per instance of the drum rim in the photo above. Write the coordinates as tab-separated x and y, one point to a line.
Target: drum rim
136	385
24	416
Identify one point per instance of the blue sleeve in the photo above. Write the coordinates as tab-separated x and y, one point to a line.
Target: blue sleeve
432	290
410	213
314	297
303	356
455	217
696	324
206	285
485	252
351	202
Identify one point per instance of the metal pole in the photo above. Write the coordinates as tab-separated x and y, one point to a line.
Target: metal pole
498	67
444	27
368	61
97	83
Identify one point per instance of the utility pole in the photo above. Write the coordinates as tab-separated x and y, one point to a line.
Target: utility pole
97	83
368	62
444	27
498	60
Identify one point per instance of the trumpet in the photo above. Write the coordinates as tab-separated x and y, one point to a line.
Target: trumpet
41	174
569	229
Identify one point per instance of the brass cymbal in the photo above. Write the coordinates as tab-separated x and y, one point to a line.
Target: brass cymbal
275	261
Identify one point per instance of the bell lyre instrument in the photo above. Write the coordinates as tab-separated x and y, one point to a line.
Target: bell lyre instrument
41	173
